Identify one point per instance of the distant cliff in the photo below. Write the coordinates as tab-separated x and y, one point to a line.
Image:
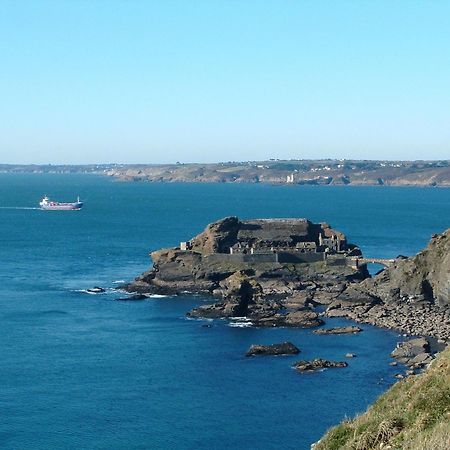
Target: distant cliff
295	172
308	172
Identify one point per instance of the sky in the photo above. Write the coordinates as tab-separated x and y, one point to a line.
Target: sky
104	81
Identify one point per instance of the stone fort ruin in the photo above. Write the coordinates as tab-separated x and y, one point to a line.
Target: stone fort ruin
271	240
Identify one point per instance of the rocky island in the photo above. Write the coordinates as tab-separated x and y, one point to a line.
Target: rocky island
275	272
272	271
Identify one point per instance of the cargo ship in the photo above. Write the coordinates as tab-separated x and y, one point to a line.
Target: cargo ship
50	205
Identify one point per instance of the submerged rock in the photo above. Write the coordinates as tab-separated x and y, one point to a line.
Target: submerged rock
318	364
285	348
132	298
339	330
96	290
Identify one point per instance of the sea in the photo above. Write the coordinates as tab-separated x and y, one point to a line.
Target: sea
83	371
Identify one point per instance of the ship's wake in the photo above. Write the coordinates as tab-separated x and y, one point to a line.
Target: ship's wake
18	207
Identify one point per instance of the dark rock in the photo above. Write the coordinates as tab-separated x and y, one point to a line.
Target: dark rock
305	318
318	364
96	290
338	330
286	348
132	298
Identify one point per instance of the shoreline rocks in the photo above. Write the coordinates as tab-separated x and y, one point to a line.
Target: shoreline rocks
414	353
411	296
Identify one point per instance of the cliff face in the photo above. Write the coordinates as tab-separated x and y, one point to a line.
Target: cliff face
412	296
425	276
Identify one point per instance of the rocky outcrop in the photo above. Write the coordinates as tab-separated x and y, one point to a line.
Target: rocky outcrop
218	237
338	330
240	298
414	353
318	364
243	296
424	277
412	296
206	259
302	318
273	271
285	348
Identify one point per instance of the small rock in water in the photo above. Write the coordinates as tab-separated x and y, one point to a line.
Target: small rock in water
285	348
318	364
135	297
95	290
338	330
350	355
399	376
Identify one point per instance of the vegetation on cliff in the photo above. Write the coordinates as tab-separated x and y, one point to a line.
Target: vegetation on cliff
414	414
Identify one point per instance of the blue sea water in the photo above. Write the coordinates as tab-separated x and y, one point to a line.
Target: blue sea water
85	371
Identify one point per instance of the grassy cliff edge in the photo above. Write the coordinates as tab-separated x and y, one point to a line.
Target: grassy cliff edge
414	414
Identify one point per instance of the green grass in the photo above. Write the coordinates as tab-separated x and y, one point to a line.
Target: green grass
414	414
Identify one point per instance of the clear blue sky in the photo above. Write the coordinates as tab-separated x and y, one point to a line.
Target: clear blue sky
205	80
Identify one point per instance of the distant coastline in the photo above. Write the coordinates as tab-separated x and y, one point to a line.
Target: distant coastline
326	172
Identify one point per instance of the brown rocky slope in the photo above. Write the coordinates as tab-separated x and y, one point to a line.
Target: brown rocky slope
412	296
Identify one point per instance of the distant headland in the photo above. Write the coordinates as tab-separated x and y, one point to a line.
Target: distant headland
332	172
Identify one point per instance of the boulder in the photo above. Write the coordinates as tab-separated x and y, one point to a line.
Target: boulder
96	290
338	330
285	348
132	298
318	364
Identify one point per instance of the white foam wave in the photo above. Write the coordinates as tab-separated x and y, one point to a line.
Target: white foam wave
240	324
157	296
87	291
